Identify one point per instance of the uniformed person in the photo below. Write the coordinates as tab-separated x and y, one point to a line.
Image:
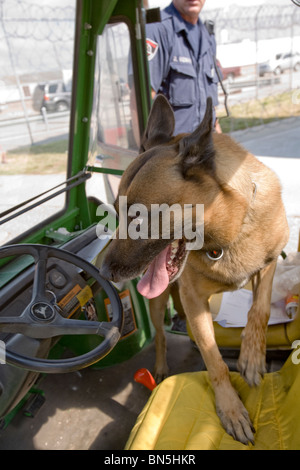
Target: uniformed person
181	62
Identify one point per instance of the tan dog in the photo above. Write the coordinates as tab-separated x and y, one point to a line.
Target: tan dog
245	230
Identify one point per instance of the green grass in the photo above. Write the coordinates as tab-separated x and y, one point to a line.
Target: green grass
258	112
38	159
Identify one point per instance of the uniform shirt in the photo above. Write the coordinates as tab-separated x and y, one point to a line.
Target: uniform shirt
185	75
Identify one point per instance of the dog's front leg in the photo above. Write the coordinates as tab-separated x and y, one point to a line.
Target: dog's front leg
230	409
157	308
252	360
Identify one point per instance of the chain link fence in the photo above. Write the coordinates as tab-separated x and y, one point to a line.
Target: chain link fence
259	53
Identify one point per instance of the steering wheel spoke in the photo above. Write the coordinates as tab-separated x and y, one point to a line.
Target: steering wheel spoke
58	327
39	281
41	319
86	327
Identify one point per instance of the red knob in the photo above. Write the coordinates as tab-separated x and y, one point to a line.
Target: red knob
144	377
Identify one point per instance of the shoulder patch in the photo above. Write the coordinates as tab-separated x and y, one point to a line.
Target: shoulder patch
152	48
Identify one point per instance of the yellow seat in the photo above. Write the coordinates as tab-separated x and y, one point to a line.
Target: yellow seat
180	414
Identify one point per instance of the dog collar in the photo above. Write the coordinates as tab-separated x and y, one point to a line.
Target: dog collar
214	255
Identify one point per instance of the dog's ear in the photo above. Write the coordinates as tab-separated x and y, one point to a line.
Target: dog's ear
160	126
197	148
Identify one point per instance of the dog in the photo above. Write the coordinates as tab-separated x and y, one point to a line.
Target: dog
245	230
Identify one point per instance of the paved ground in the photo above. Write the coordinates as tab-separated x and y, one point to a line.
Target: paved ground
278	139
278	146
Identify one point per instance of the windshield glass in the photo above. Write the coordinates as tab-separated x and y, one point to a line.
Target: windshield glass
36	59
114	134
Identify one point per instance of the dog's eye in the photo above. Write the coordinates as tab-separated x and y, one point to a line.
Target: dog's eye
215	255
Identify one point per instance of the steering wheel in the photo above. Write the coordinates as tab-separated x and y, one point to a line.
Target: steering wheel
41	319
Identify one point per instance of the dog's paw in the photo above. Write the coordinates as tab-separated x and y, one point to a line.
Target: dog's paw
252	362
235	419
160	373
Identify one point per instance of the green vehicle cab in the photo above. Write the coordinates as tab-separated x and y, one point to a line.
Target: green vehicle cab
58	317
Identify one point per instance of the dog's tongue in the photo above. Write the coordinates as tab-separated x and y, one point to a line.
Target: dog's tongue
156	278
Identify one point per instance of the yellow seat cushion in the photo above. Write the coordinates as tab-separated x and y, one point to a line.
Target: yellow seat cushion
180	413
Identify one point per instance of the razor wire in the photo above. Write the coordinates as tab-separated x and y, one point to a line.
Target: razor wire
37	36
26	20
249	22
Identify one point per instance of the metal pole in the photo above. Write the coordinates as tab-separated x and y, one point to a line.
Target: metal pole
256	51
13	66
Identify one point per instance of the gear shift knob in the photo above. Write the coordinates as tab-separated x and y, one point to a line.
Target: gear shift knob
144	377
